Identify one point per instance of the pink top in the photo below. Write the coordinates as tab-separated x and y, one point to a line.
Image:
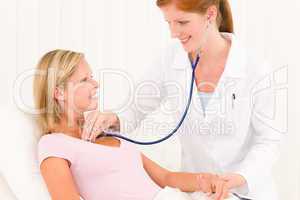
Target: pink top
101	172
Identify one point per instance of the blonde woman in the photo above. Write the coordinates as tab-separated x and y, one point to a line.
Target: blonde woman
107	168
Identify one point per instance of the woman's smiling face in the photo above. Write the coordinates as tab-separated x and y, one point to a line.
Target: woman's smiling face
188	27
81	93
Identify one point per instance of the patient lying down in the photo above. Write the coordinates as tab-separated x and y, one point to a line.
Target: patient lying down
73	162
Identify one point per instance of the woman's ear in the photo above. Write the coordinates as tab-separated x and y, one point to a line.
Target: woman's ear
59	94
212	13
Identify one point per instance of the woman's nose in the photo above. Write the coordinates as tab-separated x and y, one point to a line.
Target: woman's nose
95	83
174	31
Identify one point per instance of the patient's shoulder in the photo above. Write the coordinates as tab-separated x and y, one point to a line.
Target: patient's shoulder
57	138
57	145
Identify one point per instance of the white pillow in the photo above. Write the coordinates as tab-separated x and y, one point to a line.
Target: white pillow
18	157
5	192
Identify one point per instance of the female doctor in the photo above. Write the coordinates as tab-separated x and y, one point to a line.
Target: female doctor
225	132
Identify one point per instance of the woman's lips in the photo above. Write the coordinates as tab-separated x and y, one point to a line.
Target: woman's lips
185	40
94	96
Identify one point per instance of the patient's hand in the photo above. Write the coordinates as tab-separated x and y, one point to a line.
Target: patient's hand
213	184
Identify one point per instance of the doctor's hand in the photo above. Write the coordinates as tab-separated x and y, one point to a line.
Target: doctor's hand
213	186
96	123
220	189
205	182
226	182
233	180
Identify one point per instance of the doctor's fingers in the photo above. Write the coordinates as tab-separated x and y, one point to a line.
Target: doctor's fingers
113	121
99	127
204	184
104	122
225	193
221	190
89	123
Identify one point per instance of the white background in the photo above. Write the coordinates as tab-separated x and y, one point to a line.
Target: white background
120	34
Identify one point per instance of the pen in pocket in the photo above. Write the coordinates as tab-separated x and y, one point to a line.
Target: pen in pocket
233	99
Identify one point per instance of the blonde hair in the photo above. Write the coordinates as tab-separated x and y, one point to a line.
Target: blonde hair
53	70
224	18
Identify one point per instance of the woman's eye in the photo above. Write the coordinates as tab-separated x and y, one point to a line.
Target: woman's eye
86	79
183	22
83	80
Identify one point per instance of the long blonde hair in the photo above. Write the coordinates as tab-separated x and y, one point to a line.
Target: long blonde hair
224	18
53	70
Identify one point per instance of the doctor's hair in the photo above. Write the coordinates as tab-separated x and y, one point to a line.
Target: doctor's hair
224	18
53	71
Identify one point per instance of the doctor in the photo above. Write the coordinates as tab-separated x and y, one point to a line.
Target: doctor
226	131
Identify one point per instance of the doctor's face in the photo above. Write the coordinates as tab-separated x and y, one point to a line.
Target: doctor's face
189	28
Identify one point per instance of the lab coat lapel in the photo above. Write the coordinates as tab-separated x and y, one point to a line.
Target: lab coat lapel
227	86
229	83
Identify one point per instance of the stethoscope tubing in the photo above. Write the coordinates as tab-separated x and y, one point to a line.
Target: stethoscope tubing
119	135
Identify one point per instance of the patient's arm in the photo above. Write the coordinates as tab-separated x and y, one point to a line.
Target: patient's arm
186	182
58	177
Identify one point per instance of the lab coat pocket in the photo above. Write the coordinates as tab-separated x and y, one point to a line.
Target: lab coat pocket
239	113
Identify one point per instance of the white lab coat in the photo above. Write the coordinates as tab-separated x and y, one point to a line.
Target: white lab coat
235	134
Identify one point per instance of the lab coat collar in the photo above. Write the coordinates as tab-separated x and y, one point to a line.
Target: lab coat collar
235	65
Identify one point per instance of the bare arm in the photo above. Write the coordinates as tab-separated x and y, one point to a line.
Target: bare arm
186	182
59	180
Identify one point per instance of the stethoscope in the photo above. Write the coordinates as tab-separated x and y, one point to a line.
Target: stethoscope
118	135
